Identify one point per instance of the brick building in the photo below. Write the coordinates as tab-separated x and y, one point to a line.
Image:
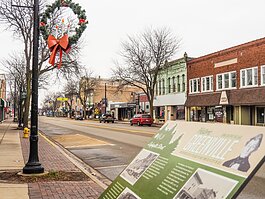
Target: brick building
119	100
228	86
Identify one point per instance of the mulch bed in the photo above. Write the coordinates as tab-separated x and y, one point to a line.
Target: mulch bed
13	177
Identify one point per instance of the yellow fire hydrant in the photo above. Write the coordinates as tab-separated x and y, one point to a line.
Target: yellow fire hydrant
26	133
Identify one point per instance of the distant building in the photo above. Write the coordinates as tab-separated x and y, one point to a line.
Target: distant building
119	101
228	86
170	91
3	103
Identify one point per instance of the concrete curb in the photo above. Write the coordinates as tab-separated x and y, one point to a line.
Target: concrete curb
97	177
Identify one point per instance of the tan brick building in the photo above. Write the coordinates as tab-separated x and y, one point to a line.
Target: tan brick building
115	97
228	86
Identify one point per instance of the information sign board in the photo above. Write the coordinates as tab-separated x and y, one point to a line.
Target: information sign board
192	160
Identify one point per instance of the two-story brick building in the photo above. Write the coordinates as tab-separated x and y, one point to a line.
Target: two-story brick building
228	86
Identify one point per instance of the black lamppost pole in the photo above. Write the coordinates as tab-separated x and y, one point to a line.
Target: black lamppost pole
15	100
105	99
20	108
33	165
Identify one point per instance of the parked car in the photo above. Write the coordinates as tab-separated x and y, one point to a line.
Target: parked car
79	117
106	118
141	119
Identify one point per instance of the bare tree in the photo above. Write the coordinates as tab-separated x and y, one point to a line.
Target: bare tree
143	56
86	87
51	103
19	20
71	90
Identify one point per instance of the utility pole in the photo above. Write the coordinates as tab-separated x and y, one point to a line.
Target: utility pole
20	109
15	100
33	165
105	98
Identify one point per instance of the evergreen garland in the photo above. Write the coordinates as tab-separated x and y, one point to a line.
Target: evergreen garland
76	8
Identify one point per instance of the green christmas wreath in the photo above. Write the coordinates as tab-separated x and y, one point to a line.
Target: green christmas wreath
77	10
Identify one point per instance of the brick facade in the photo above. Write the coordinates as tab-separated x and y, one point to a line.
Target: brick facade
244	56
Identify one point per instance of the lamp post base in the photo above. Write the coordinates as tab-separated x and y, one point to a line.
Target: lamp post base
33	168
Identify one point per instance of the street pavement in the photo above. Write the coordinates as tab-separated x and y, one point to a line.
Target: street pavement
108	148
101	153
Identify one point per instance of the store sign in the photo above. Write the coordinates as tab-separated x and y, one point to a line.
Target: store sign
186	160
63	99
223	98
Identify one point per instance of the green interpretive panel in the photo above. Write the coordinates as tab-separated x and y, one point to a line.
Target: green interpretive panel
192	160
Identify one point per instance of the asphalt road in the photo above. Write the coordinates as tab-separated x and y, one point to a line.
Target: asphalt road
109	148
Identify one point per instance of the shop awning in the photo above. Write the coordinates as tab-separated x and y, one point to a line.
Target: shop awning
249	96
237	97
209	99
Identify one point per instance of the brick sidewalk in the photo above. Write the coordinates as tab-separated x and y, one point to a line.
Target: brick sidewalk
53	160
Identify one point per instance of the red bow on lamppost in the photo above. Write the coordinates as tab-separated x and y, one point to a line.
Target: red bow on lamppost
56	45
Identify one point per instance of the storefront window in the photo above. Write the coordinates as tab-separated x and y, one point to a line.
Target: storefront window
243	78
194	85
183	83
169	85
263	75
163	86
255	76
178	83
203	84
233	79
219	77
249	77
174	84
207	83
218	114
180	113
260	115
226	79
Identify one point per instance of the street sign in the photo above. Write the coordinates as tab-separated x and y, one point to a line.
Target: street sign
96	111
63	99
192	160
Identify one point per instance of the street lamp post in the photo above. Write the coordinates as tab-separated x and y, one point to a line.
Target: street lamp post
105	98
33	166
15	101
20	109
22	97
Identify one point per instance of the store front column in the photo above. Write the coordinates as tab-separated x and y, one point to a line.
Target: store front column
187	113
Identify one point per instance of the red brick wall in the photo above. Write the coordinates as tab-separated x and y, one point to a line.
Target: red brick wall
248	55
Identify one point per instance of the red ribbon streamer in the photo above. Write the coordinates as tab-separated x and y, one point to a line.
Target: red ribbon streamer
56	45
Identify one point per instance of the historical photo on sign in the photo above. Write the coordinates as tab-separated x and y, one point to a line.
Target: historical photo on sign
241	162
138	166
207	185
128	194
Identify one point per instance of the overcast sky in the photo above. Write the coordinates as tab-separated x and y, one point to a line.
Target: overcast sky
205	26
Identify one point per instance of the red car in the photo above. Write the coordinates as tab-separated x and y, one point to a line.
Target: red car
141	119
